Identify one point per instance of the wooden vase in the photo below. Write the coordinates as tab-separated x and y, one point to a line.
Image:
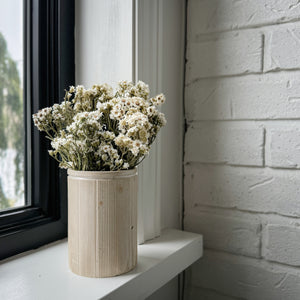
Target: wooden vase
102	222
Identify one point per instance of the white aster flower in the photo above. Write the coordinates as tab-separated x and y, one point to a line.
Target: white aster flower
99	129
159	99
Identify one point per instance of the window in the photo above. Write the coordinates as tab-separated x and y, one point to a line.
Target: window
36	65
11	105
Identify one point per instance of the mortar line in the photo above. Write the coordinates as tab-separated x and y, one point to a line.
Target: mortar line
257	26
241	75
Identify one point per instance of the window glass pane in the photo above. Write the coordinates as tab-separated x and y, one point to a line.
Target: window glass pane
11	104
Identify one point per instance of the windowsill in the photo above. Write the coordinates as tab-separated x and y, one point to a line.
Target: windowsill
44	273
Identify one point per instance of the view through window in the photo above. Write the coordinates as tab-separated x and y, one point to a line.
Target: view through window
11	105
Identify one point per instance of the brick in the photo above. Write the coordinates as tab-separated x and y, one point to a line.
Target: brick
227	54
229	234
282	49
246	278
284	148
224	143
283	244
253	189
268	96
218	15
195	293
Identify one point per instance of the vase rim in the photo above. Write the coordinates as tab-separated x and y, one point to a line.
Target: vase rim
102	174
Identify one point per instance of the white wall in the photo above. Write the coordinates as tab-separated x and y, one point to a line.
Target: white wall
160	62
172	71
104	41
242	148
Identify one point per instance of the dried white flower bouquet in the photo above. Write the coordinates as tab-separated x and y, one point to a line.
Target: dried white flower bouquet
102	130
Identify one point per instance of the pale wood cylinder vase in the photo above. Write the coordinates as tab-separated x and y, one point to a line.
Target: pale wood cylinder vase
102	222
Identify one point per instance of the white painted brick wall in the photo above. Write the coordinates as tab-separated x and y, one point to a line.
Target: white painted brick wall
245	278
267	96
221	15
231	234
282	244
284	148
282	49
214	57
225	143
242	148
248	189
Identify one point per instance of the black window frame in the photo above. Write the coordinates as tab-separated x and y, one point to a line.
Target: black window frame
49	68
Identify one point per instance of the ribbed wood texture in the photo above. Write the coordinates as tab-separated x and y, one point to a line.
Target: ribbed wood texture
102	222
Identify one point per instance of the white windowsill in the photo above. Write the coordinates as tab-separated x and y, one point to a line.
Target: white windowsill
44	273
